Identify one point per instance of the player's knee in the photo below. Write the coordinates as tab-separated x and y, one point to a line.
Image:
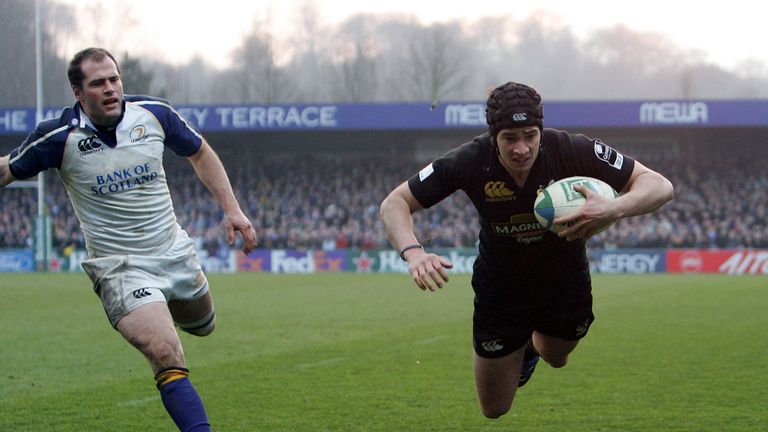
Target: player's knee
559	364
556	362
203	327
496	411
494	408
202	331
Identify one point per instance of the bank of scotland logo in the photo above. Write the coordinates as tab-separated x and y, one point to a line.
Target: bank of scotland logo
87	144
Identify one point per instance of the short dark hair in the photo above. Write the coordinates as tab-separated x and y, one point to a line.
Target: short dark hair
75	72
513	105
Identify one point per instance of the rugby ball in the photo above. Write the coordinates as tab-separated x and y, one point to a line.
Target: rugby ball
560	199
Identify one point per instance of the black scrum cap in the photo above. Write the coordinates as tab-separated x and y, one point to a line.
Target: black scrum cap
513	105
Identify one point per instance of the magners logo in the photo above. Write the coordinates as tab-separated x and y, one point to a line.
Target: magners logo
522	227
498	191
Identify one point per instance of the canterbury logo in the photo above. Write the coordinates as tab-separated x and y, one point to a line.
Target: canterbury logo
520	117
497	189
492	346
89	143
141	293
582	328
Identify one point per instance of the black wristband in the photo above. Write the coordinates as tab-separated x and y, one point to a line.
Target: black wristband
407	248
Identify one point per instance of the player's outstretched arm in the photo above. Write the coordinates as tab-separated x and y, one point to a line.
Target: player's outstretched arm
645	192
5	171
211	172
427	269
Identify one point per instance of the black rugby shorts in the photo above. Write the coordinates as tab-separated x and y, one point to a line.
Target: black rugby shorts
499	330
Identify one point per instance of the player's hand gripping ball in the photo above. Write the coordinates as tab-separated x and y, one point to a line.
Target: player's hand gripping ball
560	199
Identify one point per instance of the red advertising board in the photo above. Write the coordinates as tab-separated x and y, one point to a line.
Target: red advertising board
734	262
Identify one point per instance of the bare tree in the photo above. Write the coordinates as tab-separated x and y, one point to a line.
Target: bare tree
196	82
136	79
546	54
373	58
492	40
752	73
438	62
352	66
629	64
383	55
256	75
17	49
106	23
307	49
712	82
356	78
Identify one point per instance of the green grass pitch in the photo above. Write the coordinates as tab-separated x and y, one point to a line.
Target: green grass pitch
346	352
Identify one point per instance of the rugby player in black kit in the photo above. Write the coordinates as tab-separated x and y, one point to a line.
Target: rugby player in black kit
532	287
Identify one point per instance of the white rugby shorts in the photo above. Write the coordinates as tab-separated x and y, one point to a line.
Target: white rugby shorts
126	282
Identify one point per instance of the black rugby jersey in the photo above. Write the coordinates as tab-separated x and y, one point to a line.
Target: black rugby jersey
512	242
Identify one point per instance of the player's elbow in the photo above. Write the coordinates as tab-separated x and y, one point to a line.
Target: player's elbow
399	201
669	190
6	177
386	206
665	192
391	204
662	186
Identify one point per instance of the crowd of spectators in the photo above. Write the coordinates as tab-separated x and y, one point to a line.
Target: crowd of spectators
721	201
319	201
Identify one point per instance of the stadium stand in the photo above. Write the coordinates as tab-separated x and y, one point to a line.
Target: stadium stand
327	202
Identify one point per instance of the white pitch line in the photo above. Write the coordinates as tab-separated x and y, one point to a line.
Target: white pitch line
430	340
326	362
139	401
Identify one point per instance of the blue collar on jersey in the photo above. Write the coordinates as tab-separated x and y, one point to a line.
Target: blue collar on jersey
107	135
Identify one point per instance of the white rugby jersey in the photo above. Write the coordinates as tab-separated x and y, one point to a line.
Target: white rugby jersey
115	179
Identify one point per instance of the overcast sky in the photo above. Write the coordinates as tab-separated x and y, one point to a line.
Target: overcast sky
726	33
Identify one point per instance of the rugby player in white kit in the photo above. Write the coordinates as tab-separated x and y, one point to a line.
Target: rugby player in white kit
108	151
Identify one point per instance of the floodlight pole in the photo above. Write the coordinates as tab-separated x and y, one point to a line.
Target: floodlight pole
41	243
